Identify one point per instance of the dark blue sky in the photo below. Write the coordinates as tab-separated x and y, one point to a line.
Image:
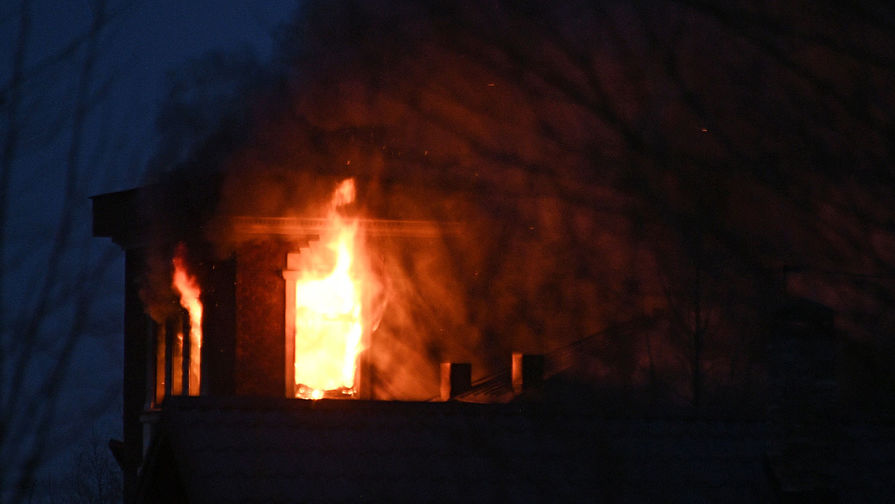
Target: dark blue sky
137	51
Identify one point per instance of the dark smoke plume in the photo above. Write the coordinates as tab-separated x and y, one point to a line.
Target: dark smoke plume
606	162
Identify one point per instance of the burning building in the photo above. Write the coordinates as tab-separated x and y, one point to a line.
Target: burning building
289	319
291	314
231	385
606	195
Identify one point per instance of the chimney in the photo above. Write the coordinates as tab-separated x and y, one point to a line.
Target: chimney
528	371
456	378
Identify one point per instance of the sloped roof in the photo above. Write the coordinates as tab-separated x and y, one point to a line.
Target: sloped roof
498	387
291	450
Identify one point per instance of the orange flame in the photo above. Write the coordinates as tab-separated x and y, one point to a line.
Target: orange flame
189	291
329	322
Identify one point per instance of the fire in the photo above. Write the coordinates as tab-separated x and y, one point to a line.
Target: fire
329	321
186	285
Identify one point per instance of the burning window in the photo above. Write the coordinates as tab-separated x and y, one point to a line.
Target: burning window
326	319
186	285
178	342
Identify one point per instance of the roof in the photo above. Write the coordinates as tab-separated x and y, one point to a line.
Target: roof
292	450
117	215
498	387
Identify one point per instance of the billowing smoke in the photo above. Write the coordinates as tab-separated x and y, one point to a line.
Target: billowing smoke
591	163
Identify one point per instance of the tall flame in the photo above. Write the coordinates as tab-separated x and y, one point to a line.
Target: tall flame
329	325
189	291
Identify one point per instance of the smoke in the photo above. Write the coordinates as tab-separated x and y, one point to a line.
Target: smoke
588	164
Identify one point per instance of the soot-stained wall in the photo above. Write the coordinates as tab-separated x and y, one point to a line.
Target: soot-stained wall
260	318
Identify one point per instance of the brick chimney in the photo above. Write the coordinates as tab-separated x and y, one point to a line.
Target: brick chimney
528	372
456	378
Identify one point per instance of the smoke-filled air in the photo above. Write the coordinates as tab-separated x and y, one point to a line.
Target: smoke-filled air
583	168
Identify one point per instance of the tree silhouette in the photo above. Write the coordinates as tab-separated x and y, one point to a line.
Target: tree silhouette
52	276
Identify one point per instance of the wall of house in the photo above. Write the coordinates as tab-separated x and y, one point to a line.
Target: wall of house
260	318
219	327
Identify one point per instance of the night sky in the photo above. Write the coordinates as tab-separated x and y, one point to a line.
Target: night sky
140	50
693	165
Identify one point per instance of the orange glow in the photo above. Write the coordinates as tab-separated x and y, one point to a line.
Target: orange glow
186	285
329	324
